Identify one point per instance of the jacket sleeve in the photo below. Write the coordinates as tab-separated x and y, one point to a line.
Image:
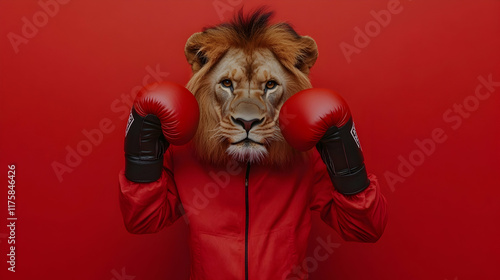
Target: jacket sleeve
149	207
359	217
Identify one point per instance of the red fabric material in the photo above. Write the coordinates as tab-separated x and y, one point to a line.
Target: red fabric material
281	202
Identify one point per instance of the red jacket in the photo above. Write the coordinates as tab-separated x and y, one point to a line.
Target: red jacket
249	222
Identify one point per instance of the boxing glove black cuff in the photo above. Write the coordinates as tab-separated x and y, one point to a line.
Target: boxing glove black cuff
144	148
341	152
342	147
141	171
352	183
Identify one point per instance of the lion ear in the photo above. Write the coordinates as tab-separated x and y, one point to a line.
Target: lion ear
194	51
307	54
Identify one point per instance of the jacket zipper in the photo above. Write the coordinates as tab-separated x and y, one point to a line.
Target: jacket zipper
247	207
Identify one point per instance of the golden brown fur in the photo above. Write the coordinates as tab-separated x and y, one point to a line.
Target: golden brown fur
249	36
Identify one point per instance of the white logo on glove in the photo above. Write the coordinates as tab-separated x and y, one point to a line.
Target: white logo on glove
129	123
355	135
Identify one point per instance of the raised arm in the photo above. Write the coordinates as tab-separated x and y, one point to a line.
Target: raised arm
162	114
348	199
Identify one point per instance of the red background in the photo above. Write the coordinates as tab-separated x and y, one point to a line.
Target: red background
443	218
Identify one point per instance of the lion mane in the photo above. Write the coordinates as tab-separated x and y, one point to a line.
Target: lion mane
204	50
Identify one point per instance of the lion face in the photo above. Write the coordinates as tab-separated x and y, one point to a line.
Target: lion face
242	74
248	89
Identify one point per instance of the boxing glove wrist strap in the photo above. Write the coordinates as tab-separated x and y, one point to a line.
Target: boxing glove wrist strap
352	183
340	150
141	171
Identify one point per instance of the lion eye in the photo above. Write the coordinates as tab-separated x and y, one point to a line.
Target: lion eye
226	83
271	84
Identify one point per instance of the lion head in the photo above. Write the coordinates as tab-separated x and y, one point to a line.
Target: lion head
243	72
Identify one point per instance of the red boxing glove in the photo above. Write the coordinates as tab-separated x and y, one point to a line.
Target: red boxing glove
163	114
321	118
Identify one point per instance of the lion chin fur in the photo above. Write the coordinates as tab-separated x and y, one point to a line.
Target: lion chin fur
249	33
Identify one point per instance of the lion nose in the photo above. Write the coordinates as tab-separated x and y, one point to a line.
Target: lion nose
247	124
